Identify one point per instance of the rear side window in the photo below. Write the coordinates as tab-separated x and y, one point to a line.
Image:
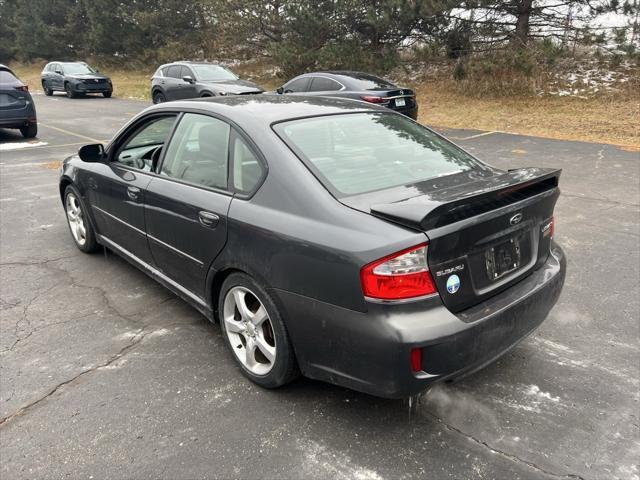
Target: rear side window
364	152
7	77
297	85
198	152
247	170
322	84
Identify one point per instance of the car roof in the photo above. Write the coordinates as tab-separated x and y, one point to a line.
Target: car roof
268	108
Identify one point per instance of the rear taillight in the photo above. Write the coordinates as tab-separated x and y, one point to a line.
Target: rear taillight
403	275
23	88
373	99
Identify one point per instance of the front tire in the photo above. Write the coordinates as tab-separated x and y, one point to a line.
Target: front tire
29	131
81	230
255	333
47	91
69	90
106	94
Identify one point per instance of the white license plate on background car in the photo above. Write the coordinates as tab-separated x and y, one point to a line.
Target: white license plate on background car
400	102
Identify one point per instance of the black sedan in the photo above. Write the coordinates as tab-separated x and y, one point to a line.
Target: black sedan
75	79
354	85
328	237
184	80
17	109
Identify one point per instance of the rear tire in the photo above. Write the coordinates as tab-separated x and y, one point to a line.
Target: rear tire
255	332
79	225
106	94
47	91
69	90
29	131
158	97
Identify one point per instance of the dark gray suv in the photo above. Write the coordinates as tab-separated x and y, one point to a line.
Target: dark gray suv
183	80
16	105
75	79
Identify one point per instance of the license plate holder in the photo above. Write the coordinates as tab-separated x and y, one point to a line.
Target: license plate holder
400	102
503	258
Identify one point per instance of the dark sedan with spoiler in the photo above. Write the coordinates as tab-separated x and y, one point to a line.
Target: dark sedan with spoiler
328	237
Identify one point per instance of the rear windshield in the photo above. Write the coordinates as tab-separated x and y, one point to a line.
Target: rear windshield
364	81
213	73
7	77
363	152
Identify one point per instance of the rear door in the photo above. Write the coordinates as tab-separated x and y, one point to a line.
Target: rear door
186	205
172	82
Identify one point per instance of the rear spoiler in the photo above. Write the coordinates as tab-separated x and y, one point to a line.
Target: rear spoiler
440	208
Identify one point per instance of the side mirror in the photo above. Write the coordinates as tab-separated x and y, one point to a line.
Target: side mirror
59	72
280	90
97	71
93	153
188	79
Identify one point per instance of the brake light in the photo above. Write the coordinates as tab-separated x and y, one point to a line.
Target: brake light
403	275
416	360
23	88
373	99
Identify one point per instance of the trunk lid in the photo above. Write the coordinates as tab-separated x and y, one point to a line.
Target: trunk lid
486	229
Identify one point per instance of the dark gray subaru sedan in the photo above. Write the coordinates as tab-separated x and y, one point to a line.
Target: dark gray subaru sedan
328	237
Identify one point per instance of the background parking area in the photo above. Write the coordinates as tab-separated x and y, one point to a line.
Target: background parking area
105	374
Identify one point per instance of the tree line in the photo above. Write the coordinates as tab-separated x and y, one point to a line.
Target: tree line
299	35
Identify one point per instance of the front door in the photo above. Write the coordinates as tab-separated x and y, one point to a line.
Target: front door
186	205
117	188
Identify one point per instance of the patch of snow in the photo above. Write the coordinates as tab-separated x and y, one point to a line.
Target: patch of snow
535	390
5	147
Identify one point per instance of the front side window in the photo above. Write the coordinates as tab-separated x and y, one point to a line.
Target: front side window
77	68
363	152
213	73
322	84
247	170
143	147
174	71
198	151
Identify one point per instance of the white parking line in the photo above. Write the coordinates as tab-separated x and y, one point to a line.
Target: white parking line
8	147
93	140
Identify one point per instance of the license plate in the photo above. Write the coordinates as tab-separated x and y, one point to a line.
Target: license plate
503	258
400	102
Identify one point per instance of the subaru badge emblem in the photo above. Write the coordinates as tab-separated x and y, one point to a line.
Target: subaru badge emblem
453	284
517	218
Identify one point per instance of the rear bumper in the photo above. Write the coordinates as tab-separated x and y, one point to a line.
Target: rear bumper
411	112
370	351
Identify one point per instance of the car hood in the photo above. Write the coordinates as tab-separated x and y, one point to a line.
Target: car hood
86	76
236	87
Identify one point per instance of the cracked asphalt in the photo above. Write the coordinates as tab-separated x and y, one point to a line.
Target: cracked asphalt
105	374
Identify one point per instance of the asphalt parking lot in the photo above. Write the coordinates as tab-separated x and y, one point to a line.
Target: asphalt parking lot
105	374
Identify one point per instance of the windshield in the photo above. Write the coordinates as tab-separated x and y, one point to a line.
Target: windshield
363	152
213	73
73	68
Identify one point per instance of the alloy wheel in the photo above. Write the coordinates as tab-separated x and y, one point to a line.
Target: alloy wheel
75	218
249	330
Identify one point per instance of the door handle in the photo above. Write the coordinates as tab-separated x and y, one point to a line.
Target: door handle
133	193
208	219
